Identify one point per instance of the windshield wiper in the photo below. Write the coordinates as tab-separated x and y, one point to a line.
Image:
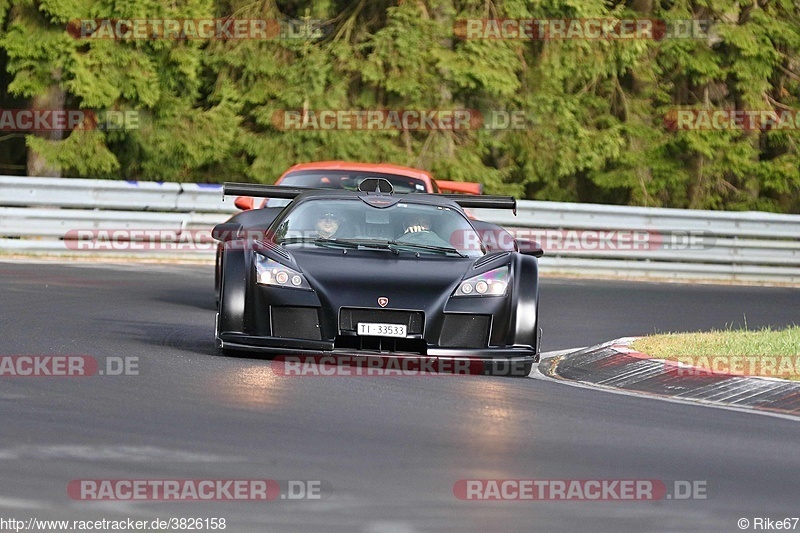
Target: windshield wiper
392	246
320	241
295	240
426	247
380	246
334	243
358	243
343	243
395	246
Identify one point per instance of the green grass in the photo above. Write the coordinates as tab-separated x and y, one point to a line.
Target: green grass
767	352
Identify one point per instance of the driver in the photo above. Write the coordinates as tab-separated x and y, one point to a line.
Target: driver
327	224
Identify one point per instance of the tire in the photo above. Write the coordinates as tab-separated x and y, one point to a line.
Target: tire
218	275
231	296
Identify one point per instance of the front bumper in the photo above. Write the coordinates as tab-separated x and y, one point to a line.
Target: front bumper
495	361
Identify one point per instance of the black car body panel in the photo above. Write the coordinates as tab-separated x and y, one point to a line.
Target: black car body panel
347	282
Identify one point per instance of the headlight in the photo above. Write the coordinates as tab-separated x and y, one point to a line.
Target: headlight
492	283
269	272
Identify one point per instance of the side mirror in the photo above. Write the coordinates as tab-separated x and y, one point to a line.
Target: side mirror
227	231
528	247
245	203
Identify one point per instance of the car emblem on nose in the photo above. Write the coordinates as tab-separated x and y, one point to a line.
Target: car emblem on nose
383	301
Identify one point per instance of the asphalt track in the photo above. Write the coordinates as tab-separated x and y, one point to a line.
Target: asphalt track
388	449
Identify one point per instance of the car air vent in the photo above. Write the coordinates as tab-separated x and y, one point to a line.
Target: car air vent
295	322
465	331
274	248
488	259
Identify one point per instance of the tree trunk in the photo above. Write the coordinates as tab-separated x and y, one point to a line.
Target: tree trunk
51	101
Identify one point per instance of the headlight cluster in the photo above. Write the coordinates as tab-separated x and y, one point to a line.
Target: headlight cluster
492	283
269	272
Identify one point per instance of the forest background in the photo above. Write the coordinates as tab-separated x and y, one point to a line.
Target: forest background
599	113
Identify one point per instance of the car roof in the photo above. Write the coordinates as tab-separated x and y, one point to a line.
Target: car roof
416	198
385	168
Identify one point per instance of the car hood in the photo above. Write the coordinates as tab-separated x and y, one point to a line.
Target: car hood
359	278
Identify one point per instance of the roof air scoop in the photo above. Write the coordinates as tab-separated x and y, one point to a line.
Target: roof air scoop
380	185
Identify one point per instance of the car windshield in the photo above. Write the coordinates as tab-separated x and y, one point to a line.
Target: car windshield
349	180
403	227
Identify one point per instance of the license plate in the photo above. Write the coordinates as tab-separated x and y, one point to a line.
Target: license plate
381	330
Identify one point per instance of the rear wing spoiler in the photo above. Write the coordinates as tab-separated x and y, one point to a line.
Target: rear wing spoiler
460	186
289	193
263	191
483	201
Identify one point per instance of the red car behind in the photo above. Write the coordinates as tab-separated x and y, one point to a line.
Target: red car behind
345	175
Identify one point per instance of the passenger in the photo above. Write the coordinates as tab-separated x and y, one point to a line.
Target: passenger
418	223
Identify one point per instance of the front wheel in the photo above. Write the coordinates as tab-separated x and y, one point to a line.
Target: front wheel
233	285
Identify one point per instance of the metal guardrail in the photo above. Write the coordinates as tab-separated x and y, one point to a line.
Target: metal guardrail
43	215
677	244
107	194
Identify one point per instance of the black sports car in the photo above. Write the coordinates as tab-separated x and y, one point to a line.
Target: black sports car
397	275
